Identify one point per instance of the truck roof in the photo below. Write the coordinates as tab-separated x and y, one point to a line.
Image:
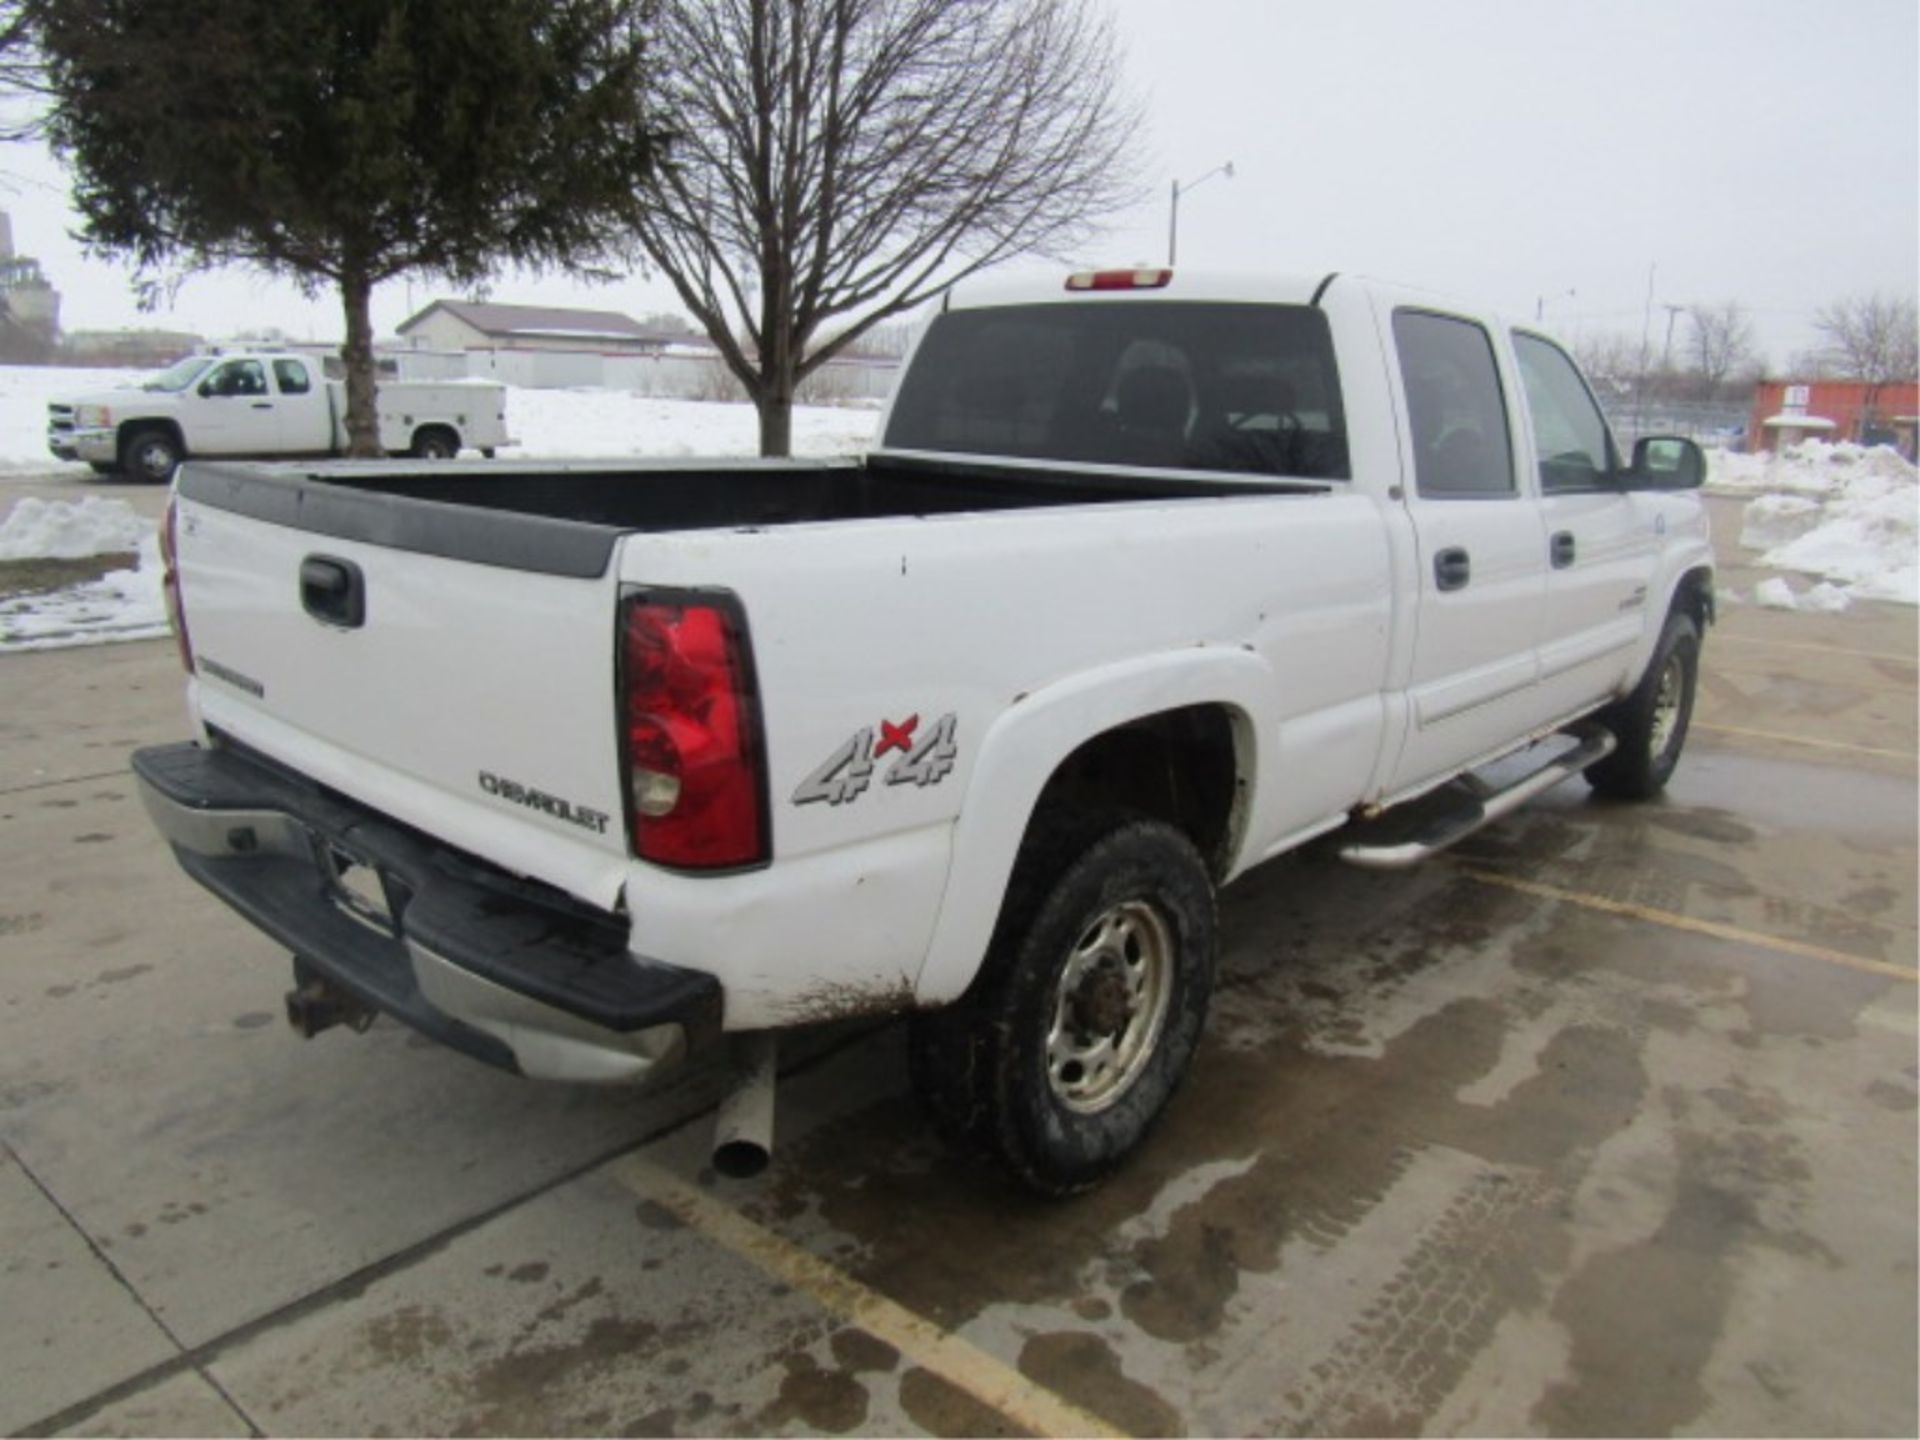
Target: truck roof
1239	286
1185	284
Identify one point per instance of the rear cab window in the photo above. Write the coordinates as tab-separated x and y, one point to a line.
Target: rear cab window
1245	389
1456	408
292	377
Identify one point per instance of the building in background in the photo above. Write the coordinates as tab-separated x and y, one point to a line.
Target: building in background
128	349
466	325
29	305
1786	412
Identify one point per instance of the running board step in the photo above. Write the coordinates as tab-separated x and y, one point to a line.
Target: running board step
1422	828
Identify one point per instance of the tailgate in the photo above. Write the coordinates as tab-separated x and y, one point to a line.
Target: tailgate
453	668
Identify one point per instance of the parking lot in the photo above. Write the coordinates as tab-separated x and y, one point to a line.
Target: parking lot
1603	1123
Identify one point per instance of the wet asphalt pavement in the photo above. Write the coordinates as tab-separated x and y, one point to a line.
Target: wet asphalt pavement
1602	1124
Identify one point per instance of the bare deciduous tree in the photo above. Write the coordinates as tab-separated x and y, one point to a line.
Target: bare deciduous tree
838	162
1719	343
1871	338
1610	360
22	77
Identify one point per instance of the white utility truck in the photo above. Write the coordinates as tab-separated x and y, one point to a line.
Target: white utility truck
1151	577
261	404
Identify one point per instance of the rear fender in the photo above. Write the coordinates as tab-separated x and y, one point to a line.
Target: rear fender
1028	743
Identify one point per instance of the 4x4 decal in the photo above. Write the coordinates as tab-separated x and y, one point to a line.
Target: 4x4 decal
849	770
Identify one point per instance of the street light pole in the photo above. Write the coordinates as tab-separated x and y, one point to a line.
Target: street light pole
1540	304
1173	206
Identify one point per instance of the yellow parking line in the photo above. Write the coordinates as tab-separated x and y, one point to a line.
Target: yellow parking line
959	1362
1829	681
1675	921
1720	636
1805	740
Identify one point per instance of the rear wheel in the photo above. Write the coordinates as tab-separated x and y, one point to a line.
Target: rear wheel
435	442
1651	723
151	455
1089	1006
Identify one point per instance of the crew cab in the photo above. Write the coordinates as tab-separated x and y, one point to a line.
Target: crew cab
1150	578
265	404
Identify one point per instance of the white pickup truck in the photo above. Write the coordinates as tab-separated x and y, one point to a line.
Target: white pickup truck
261	404
1151	578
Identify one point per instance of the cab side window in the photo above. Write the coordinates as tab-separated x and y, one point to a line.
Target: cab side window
237	377
292	377
1569	433
1456	410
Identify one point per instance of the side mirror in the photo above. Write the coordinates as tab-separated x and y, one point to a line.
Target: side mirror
1666	462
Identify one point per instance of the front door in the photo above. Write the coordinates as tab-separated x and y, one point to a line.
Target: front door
1601	547
1482	555
233	412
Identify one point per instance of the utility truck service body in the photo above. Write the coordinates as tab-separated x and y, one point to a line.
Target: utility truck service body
1151	578
265	404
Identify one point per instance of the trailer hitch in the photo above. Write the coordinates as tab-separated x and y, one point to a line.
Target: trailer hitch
316	1004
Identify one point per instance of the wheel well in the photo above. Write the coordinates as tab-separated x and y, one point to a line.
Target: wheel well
1180	766
1694	596
437	427
131	428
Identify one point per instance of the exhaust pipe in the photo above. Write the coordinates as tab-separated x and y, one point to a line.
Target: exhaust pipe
316	1005
743	1129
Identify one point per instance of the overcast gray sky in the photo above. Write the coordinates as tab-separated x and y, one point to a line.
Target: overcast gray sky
1507	150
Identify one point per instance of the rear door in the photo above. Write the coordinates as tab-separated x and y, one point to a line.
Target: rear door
1601	549
468	690
1482	557
305	425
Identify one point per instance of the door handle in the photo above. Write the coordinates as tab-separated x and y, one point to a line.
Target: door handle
1561	549
263	404
333	591
1452	569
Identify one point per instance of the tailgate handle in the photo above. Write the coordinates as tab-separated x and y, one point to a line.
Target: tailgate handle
333	591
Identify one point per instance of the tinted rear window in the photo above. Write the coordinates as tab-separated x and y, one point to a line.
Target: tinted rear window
1248	389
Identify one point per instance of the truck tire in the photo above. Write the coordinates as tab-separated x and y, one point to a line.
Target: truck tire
434	442
1088	1008
152	455
1651	723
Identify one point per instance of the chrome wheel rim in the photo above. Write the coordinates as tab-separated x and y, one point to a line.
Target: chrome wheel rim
156	460
1666	705
1109	1006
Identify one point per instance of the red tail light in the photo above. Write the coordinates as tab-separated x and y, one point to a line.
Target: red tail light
170	581
695	772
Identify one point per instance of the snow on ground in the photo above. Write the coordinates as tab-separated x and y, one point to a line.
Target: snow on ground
57	530
550	424
612	424
120	605
24	393
1845	513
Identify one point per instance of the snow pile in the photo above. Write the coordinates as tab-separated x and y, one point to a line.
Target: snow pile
1775	594
1846	513
615	424
55	530
121	605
